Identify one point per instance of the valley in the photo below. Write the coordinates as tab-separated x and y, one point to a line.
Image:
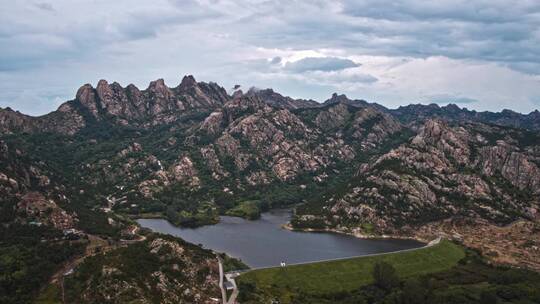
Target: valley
265	243
204	159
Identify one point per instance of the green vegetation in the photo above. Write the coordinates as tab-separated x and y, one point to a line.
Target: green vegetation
131	272
29	255
350	274
385	276
392	279
247	209
231	264
50	295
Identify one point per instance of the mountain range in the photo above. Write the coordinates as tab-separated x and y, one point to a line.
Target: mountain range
194	151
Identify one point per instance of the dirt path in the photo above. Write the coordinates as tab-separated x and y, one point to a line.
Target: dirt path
94	242
95	246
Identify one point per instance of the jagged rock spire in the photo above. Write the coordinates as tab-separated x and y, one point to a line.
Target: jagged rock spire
188	81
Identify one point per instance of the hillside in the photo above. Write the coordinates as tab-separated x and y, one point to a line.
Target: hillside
192	152
161	269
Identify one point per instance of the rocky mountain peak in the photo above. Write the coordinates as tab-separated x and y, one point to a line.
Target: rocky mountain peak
104	91
433	128
342	98
157	85
84	92
86	96
452	107
102	83
274	99
337	98
188	81
237	94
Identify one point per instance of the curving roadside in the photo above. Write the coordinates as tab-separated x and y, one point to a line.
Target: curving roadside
230	278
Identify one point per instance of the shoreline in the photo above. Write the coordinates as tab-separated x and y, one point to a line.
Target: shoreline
289	227
360	235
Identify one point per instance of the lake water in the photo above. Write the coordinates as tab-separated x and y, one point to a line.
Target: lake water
263	242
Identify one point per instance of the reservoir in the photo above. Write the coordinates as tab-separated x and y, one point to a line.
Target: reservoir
263	242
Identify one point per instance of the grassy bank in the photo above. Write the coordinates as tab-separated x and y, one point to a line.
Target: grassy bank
247	209
350	274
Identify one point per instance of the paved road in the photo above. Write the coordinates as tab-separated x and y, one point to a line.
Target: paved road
234	295
223	291
230	278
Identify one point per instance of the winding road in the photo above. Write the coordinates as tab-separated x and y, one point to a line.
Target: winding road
230	279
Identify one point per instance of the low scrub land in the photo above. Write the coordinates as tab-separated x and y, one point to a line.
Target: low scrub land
349	274
445	273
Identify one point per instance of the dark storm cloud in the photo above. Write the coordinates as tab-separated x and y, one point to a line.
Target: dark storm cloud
494	30
481	30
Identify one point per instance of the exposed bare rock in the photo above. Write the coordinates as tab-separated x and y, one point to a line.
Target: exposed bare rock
228	144
444	171
11	121
277	100
184	172
212	161
156	105
257	178
213	123
64	121
334	117
135	147
515	166
87	97
182	273
286	168
45	211
373	127
451	141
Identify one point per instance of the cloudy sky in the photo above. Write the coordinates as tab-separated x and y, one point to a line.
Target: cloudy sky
480	54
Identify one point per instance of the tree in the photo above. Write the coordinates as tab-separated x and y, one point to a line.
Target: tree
414	292
488	297
385	276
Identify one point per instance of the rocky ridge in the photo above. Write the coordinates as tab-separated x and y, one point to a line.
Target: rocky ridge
443	171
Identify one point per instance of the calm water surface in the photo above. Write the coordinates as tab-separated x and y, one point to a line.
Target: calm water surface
263	242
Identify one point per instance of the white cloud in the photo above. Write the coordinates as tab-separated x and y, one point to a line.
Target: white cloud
326	64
